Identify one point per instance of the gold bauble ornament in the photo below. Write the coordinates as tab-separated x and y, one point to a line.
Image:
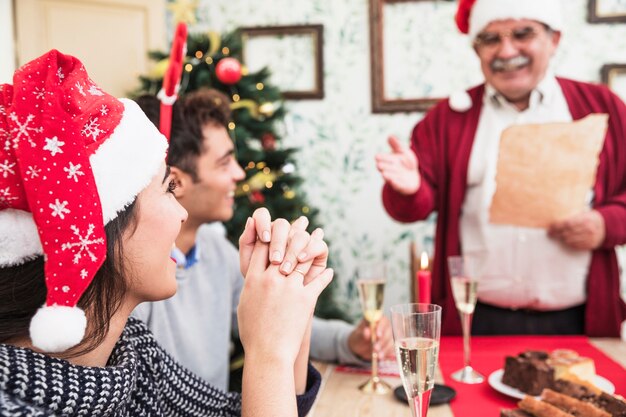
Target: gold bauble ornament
267	109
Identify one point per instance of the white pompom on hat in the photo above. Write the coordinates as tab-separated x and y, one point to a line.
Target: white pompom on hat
474	15
71	158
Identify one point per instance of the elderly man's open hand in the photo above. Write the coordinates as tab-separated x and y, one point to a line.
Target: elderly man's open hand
399	168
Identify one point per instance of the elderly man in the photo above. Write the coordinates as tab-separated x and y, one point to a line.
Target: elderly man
563	280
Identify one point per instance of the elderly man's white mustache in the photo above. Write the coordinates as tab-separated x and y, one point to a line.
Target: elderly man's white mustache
509	64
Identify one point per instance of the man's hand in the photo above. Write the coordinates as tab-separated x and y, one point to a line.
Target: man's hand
399	168
360	342
584	231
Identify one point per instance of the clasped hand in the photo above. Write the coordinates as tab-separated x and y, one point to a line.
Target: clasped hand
285	270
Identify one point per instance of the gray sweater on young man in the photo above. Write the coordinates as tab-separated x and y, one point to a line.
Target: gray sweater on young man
193	324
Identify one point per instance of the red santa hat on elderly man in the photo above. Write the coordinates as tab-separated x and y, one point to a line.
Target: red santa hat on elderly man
474	15
71	158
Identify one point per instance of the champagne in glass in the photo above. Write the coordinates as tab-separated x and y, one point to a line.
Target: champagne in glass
372	293
416	330
464	282
464	291
371	284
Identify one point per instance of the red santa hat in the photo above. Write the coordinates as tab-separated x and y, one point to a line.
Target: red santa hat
71	158
474	15
171	80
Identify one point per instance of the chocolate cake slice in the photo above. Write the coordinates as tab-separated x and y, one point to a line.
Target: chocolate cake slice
529	372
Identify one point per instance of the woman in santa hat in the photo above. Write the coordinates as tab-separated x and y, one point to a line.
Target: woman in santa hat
87	222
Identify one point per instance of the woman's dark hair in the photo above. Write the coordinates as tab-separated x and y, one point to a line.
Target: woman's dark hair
190	114
23	290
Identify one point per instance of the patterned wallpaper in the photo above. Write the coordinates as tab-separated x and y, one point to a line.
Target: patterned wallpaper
338	136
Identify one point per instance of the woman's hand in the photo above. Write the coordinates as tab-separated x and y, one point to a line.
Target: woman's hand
280	234
278	299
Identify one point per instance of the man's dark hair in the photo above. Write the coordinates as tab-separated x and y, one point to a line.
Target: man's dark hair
190	114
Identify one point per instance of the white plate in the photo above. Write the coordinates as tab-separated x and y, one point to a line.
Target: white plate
495	381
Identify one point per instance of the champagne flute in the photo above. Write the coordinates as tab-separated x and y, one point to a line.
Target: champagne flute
464	282
371	284
416	331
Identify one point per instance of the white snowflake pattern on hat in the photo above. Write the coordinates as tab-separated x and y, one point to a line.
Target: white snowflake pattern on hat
73	171
92	128
59	208
32	172
80	89
53	145
6	168
6	197
84	243
22	130
95	91
40	93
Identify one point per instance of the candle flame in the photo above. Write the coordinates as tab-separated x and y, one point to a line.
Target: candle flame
424	261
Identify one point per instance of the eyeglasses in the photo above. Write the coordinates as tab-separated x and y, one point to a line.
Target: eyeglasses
519	36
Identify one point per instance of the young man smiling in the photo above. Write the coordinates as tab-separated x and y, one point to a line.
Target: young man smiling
206	173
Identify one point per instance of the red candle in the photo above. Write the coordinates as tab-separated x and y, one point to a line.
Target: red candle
424	280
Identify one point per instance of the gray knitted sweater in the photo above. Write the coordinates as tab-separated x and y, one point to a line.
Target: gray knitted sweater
141	379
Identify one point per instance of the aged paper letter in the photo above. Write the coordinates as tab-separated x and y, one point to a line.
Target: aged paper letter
545	171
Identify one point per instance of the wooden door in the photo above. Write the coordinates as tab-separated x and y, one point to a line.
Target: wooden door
111	37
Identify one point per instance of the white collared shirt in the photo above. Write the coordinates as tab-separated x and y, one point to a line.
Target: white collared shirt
521	267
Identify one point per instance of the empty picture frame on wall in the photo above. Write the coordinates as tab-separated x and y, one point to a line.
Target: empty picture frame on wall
293	54
607	11
614	76
417	55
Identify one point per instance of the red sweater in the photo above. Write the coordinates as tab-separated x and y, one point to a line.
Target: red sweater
443	142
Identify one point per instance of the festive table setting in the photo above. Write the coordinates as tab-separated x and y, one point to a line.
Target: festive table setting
340	396
476	376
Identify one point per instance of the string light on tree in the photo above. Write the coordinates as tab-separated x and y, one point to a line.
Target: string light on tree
267	109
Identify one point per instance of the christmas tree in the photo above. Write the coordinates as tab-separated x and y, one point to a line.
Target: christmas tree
213	61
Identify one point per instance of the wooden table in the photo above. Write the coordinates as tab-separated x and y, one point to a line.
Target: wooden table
340	397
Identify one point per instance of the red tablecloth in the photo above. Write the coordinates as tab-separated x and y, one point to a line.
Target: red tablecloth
488	355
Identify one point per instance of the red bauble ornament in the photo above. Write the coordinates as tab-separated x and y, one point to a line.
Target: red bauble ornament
257	197
228	70
268	141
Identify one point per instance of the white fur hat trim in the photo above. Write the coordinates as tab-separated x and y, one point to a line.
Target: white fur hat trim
486	11
460	101
57	328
